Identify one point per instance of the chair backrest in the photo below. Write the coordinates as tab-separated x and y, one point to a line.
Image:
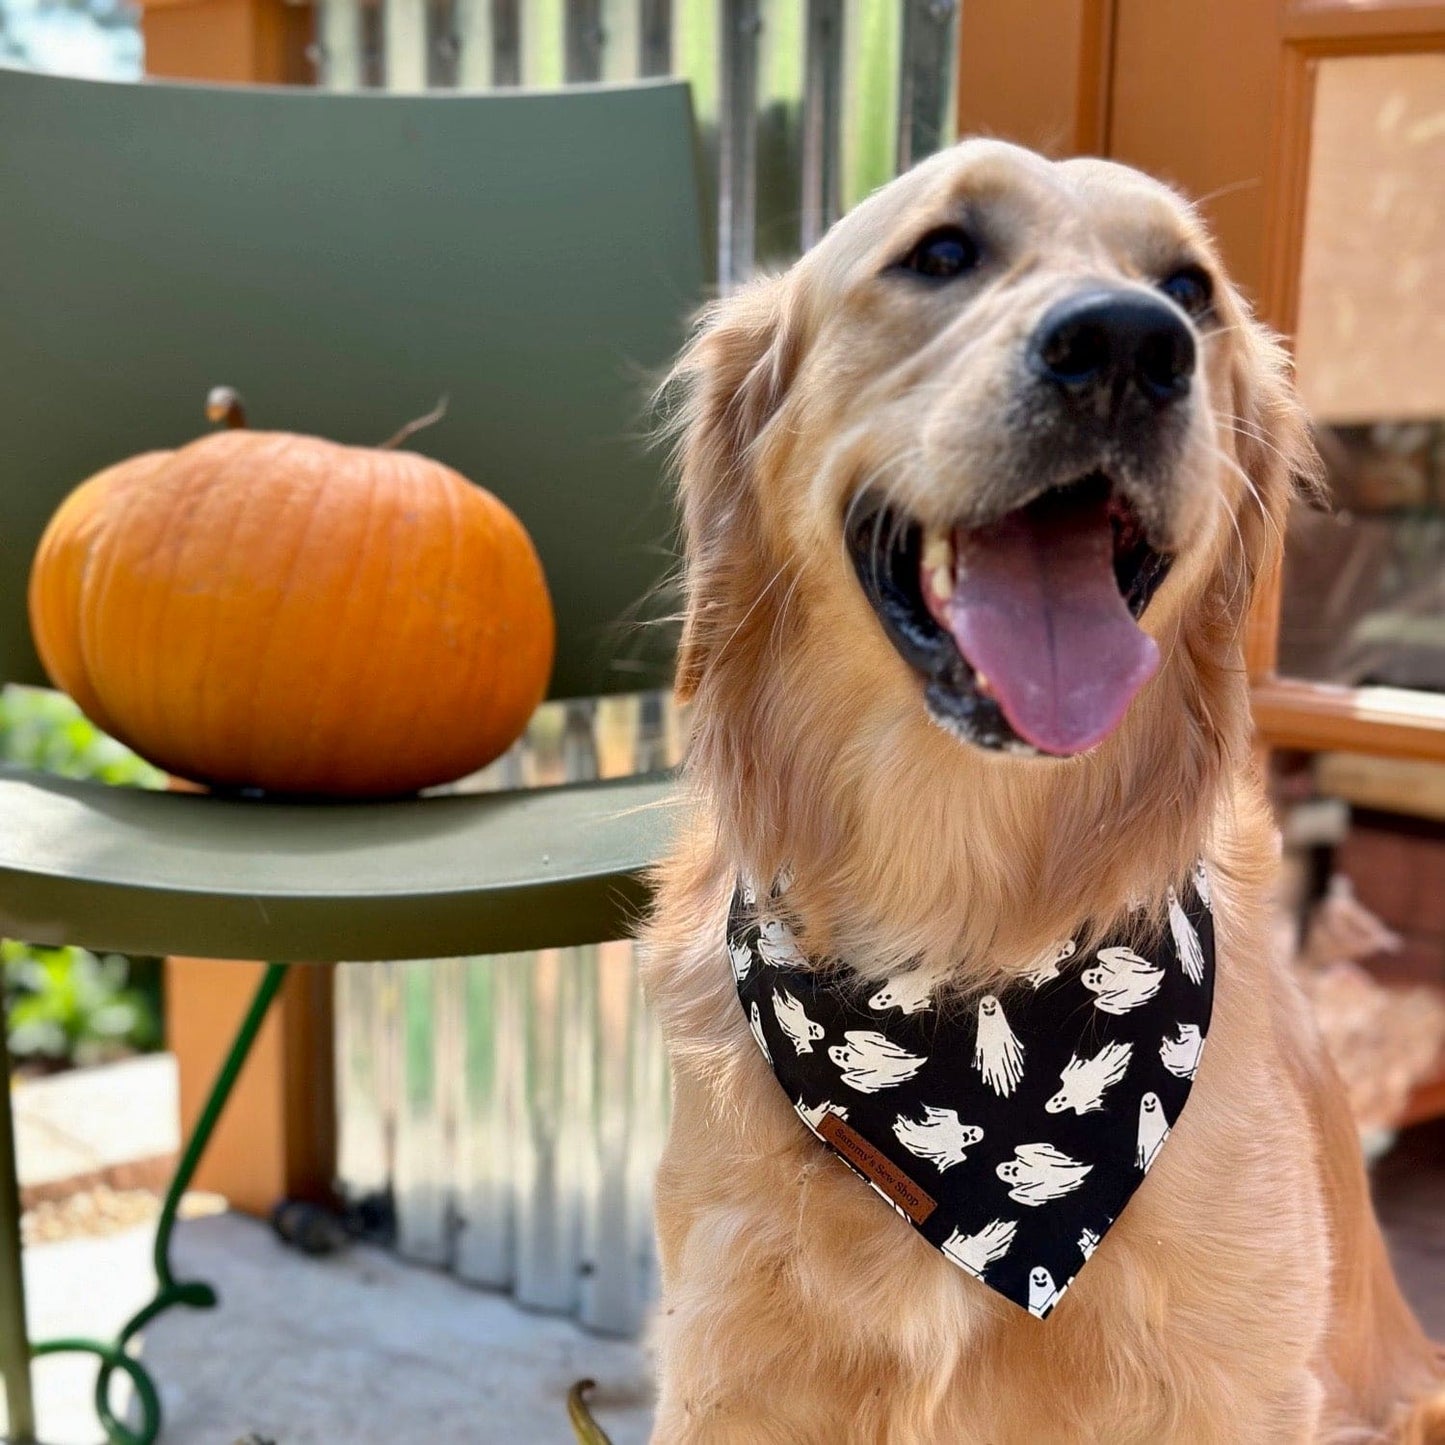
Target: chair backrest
344	261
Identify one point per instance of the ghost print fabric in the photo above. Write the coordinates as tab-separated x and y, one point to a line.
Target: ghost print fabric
1009	1129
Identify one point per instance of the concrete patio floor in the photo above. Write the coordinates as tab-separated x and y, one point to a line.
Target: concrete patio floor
362	1349
354	1349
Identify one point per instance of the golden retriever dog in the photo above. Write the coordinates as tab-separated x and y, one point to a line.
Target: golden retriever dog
975	498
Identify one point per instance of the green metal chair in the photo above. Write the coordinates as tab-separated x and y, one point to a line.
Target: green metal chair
344	260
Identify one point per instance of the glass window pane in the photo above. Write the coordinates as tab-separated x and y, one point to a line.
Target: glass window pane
1365	589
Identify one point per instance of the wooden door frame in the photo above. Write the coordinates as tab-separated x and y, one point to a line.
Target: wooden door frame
1289	712
1037	72
1049	73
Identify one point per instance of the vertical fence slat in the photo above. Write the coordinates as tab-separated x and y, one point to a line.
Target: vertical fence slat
552	1147
339	44
779	130
404	44
487	1114
871	38
373	44
544	43
609	1295
740	23
583	41
443	44
365	1102
547	1230
473	20
506	33
423	1144
925	90
652	1105
822	159
654	23
621	45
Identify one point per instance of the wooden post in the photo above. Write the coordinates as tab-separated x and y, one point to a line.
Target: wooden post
255	41
277	1138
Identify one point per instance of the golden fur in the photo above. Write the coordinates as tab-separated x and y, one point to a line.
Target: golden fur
1245	1295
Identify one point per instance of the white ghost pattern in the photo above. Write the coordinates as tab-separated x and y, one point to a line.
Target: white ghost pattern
871	1061
1122	980
742	957
1083	1081
941	1137
778	946
1088	1243
906	992
1039	1172
802	1032
1186	940
1043	1292
1153	1131
1202	885
1181	1055
1046	965
975	1252
813	1116
997	1053
755	1023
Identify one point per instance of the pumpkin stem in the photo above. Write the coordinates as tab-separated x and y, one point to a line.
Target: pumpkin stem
225	406
412	427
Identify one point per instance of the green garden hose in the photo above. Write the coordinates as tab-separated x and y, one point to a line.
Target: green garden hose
584	1427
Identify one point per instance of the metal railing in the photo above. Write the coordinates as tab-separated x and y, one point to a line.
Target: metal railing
515	1106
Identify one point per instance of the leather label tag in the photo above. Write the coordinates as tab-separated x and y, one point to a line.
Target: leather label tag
878	1168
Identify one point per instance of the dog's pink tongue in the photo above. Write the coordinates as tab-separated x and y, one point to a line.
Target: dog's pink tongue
1035	609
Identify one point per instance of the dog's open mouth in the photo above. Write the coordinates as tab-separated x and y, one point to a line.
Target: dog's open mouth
1025	630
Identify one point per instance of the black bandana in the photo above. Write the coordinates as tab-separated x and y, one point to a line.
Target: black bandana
1010	1130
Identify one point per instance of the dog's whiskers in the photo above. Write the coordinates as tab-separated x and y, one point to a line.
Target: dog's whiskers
1240	426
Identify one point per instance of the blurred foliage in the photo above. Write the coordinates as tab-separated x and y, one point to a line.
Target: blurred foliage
66	1005
48	732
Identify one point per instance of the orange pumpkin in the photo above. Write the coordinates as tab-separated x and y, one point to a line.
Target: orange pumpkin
259	609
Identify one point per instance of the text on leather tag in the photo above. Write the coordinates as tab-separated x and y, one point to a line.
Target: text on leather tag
877	1167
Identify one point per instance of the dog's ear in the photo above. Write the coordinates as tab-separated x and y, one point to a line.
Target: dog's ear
727	385
1274	443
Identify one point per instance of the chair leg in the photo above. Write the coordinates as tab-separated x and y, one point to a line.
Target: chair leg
195	1294
14	1341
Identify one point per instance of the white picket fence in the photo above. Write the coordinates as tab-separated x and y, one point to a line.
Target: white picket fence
515	1106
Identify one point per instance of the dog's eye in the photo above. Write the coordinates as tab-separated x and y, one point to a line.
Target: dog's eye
942	254
1190	289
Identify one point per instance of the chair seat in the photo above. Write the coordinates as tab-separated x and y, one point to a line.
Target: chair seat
156	873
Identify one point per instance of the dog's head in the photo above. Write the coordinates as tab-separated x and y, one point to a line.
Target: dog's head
983	481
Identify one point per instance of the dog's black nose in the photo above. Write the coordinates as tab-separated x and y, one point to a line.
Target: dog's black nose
1098	344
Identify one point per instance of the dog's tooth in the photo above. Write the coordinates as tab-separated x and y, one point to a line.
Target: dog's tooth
938	564
983	684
